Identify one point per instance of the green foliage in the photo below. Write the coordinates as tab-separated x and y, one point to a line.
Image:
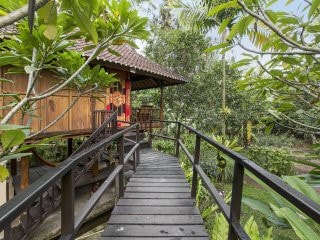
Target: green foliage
275	160
164	146
4	173
287	79
284	215
284	140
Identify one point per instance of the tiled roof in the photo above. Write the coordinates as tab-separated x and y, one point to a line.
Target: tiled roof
129	57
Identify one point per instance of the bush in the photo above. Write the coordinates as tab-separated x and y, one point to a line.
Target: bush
165	146
283	140
275	160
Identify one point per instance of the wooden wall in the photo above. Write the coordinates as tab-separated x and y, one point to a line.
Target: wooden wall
79	118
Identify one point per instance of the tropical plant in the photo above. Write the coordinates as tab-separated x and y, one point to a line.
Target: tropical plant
45	43
221	229
284	215
283	64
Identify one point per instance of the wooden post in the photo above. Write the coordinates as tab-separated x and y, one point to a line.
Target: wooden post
161	101
150	131
177	138
195	173
70	149
67	205
235	206
24	169
138	149
121	162
13	167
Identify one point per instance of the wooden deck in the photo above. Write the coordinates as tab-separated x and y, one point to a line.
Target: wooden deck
156	204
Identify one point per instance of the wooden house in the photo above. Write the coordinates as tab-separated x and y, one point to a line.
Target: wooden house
134	72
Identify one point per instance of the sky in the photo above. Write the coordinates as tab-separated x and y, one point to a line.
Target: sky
295	7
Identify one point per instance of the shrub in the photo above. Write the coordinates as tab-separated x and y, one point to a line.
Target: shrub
275	160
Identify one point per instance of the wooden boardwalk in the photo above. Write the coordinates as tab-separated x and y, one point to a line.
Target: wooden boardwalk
156	204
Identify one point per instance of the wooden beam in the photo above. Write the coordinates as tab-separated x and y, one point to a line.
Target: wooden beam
161	101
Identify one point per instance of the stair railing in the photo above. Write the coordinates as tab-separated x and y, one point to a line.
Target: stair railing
65	172
232	213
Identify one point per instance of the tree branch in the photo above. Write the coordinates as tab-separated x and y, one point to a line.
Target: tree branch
297	129
60	87
276	30
275	53
299	123
20	13
291	84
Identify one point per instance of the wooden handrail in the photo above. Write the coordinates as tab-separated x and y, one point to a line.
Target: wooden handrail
65	172
232	213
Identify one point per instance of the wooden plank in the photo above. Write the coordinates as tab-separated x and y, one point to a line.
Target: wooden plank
155	231
158	176
154	238
156	205
159	168
157	184
156	195
157	179
169	172
158	189
155	202
146	210
156	219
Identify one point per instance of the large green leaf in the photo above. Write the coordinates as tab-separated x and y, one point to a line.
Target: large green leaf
4	173
301	228
302	187
315	4
265	210
12	138
82	19
252	229
223	6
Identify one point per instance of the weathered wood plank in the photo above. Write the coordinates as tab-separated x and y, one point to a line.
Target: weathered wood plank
156	205
158	189
157	179
155	202
157	184
156	195
155	231
156	219
146	210
159	176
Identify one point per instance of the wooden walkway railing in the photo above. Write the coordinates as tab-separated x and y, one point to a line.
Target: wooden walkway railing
232	213
144	176
66	174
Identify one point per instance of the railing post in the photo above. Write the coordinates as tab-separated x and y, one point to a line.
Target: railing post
177	138
196	162
67	205
93	119
235	207
70	149
138	149
121	162
150	131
